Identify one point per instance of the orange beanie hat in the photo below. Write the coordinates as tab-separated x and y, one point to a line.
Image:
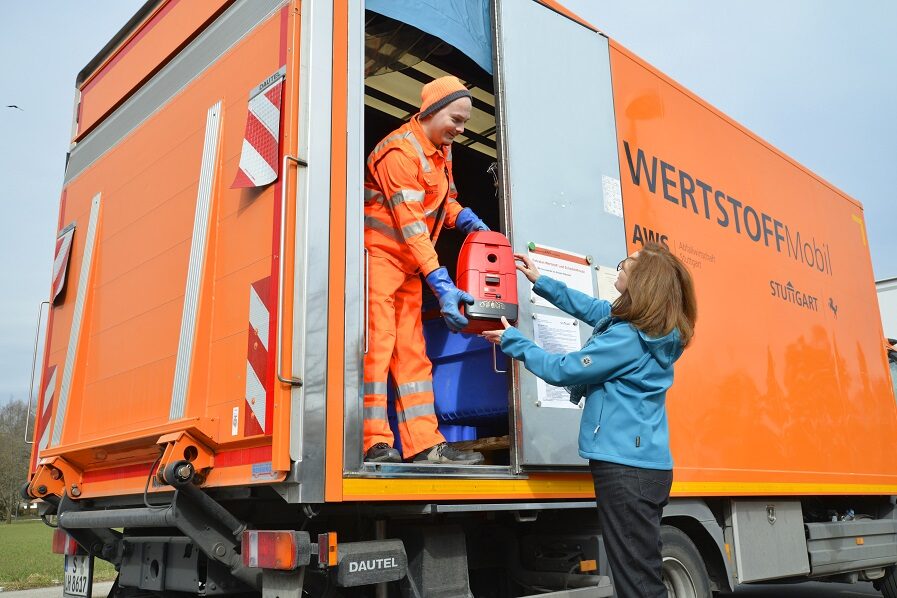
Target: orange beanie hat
439	93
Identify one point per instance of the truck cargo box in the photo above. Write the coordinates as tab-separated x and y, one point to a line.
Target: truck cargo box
202	380
199	303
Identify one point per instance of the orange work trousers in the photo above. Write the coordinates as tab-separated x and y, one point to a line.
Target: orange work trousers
396	346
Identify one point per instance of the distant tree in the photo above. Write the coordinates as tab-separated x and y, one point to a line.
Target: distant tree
14	455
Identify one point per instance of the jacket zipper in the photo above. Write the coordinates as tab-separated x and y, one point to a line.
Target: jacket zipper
600	413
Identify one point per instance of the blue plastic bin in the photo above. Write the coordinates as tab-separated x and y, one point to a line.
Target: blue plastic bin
467	388
458	433
471	398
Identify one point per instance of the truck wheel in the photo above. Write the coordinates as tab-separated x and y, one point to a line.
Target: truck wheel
684	573
888	585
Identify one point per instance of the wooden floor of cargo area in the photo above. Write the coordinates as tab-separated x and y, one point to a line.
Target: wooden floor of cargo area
493	443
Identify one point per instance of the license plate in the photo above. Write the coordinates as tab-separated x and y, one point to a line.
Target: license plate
78	575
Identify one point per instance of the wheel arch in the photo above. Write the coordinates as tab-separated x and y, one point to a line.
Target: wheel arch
695	519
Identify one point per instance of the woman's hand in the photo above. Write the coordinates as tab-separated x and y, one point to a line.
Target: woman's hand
527	267
494	336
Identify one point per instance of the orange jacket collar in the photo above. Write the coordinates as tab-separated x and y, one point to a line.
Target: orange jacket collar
426	144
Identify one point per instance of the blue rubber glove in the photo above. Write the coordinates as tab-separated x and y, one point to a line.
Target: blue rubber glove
449	297
468	222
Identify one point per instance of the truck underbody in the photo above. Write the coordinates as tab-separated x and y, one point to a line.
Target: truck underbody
196	542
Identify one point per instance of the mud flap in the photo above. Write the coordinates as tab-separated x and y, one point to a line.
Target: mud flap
365	563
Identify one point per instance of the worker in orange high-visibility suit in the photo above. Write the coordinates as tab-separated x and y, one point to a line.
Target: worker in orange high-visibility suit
409	196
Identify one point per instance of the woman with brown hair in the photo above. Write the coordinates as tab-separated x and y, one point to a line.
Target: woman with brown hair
623	371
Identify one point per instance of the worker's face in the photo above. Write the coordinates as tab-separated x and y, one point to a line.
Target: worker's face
445	125
624	268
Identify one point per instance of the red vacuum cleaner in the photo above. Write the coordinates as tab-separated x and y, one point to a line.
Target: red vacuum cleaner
486	270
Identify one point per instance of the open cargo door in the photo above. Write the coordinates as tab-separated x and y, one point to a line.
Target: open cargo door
561	193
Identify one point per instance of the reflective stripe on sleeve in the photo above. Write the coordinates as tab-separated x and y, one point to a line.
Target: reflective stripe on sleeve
384	229
415	228
372	195
403	195
374	155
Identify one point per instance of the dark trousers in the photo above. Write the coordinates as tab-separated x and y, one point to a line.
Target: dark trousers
630	502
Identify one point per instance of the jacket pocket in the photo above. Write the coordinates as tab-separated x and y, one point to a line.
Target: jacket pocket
432	181
592	413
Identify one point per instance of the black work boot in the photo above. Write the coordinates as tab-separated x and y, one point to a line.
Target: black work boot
446	454
382	453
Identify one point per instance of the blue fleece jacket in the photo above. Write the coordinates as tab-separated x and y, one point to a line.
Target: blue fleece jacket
626	373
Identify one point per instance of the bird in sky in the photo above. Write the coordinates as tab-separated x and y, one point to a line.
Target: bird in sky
14	106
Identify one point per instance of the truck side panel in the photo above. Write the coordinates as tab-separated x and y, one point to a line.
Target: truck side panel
785	388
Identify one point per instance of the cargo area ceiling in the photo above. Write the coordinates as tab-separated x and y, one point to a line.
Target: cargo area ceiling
400	58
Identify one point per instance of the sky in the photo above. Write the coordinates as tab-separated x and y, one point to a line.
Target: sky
815	78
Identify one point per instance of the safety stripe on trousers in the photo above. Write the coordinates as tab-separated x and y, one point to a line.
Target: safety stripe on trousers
375	413
375	388
410	388
371	413
413	411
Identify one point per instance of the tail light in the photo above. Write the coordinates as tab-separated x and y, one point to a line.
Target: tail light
269	550
64	543
276	549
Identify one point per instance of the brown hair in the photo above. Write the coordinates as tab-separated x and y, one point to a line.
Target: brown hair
659	296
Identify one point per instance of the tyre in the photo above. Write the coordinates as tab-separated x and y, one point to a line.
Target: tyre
888	584
684	573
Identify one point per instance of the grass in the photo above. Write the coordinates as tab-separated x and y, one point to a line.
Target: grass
27	561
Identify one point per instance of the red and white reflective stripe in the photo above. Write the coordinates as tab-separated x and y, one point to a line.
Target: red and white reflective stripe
259	162
61	259
43	424
257	391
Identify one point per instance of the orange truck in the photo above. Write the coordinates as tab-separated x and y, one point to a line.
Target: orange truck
200	407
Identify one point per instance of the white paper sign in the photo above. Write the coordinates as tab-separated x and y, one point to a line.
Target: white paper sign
613	196
570	268
607	276
555	334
